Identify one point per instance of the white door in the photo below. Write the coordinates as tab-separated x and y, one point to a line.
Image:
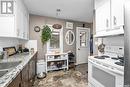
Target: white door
82	45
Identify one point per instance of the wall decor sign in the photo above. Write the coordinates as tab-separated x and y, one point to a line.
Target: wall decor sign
37	29
69	25
57	26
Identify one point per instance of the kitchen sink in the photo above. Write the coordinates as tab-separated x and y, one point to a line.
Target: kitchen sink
8	65
2	73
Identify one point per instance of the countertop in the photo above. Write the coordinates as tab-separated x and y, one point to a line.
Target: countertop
8	78
108	61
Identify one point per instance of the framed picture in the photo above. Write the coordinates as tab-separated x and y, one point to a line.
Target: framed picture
69	25
10	50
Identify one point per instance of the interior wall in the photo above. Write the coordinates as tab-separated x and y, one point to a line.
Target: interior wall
40	21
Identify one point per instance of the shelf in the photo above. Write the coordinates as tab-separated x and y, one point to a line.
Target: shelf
51	69
55	54
62	57
56	60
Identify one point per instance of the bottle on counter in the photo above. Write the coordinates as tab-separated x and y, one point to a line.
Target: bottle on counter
1	55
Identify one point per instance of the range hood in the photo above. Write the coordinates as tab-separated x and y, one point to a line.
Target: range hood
114	32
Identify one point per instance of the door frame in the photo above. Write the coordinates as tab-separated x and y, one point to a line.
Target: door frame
82	28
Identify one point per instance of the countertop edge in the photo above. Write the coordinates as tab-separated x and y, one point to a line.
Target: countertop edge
11	75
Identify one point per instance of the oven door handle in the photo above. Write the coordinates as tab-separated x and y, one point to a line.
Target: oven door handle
113	70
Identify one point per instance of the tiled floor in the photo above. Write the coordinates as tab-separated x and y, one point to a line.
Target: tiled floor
71	78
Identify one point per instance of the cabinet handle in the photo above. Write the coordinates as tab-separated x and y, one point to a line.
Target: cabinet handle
114	20
107	23
23	34
17	32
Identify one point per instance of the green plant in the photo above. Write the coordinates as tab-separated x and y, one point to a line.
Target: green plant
46	34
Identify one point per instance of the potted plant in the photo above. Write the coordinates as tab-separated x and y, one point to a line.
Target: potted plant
46	34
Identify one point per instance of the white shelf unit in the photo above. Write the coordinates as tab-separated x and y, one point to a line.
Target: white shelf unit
56	58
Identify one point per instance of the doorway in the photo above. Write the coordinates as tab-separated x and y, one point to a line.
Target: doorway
82	45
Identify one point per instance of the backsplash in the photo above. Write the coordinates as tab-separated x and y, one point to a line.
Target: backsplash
114	51
114	41
7	42
114	45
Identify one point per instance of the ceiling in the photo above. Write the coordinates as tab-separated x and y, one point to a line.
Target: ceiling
77	10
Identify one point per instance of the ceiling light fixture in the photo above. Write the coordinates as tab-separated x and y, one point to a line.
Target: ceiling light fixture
58	12
57	26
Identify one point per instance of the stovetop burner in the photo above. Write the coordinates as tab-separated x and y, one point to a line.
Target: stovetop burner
114	58
101	57
119	63
105	56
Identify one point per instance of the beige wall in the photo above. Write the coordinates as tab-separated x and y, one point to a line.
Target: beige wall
40	21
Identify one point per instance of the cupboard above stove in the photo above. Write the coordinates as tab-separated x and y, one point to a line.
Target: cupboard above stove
109	16
15	25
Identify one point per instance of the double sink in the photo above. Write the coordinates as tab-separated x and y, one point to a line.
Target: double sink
5	67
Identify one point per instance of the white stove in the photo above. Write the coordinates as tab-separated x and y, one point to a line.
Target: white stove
105	71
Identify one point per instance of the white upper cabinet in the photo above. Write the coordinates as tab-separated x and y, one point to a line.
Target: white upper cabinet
22	17
7	28
117	13
16	24
109	17
103	17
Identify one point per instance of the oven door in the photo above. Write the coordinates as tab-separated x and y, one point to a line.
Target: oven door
102	76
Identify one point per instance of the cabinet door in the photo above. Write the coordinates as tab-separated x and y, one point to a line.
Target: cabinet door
32	70
19	19
99	20
25	77
7	26
103	16
16	82
20	24
117	10
25	21
22	20
26	24
30	73
107	13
